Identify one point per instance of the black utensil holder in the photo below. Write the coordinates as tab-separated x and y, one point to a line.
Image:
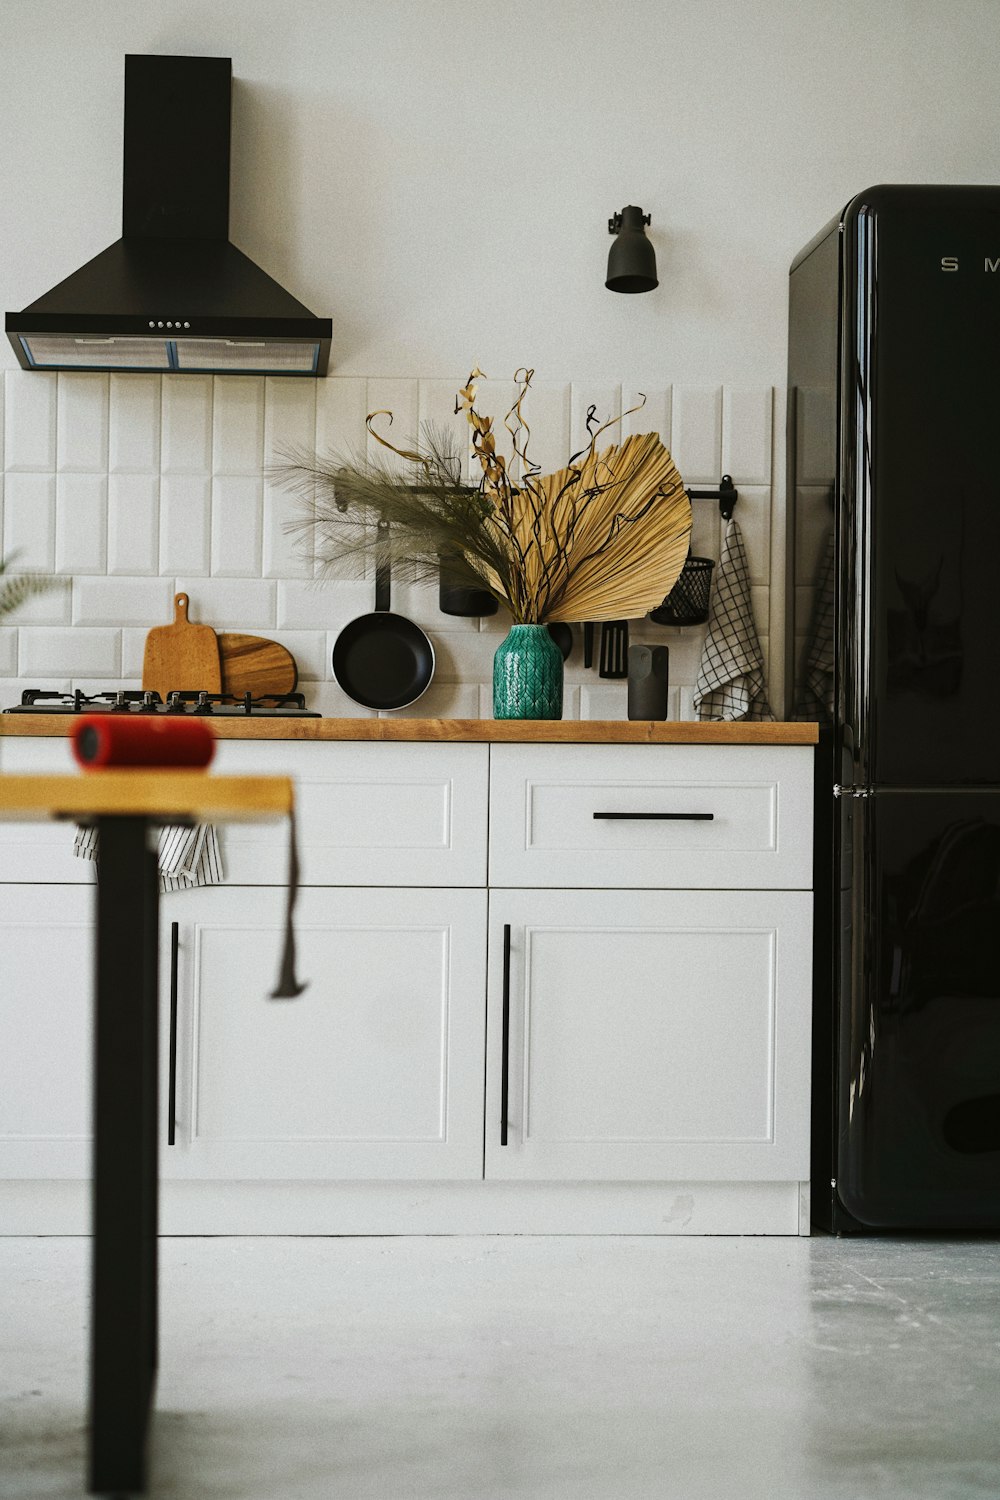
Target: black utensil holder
688	600
460	599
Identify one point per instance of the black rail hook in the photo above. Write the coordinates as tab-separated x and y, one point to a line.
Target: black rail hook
726	494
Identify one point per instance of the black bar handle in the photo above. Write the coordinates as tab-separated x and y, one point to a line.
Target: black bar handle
505	1044
660	817
172	1083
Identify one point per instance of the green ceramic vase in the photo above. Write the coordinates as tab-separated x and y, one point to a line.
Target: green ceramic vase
527	675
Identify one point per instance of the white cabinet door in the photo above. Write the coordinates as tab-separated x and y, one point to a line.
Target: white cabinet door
652	1035
376	1071
46	1030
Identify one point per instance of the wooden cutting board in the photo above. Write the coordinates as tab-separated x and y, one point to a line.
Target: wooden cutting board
251	664
182	657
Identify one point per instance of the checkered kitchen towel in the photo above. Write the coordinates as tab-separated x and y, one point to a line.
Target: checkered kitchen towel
186	856
731	676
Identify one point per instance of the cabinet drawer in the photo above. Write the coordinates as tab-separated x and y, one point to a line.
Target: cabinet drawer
658	816
40	853
366	814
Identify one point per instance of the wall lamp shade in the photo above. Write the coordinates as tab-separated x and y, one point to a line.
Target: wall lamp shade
632	261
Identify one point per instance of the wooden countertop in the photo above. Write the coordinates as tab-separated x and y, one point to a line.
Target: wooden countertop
482	731
146	792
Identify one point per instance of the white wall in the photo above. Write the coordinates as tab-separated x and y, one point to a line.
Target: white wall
437	176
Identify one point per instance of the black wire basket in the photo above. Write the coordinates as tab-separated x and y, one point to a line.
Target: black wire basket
687	602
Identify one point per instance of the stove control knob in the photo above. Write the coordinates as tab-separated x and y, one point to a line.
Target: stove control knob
202	706
149	702
121	705
175	704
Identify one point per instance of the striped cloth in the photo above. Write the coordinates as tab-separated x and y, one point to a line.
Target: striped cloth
731	675
186	856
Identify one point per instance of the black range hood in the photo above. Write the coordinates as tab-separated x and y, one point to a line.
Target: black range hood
173	294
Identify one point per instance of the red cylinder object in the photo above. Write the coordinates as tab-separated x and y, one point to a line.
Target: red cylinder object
132	740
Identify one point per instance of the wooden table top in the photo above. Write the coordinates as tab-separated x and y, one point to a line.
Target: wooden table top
483	731
163	795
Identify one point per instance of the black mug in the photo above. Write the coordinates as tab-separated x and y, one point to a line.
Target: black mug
648	681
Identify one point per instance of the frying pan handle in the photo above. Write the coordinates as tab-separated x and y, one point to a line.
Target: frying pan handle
383	569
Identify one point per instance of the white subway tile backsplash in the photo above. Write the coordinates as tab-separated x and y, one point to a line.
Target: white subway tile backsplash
697	433
135	515
289	417
311	649
285	554
82	423
653	414
8	652
133	523
187	425
330	700
242	604
69	652
236	525
238	425
54	607
341	408
326	605
185	522
746	434
134	445
400	397
123	601
606	401
30	421
29	515
547	411
442	700
606	700
81	523
436	414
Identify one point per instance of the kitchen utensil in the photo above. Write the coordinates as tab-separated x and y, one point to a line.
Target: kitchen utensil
687	602
563	637
648	680
382	660
614	649
588	643
460	599
181	656
252	664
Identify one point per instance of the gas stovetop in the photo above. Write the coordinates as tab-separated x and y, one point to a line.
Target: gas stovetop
130	701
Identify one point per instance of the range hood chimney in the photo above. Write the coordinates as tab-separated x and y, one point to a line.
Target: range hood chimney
173	294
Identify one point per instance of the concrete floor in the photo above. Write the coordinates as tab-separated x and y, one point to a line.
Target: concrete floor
549	1368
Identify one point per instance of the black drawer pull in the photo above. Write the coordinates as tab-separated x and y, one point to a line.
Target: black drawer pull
660	817
505	1043
172	1082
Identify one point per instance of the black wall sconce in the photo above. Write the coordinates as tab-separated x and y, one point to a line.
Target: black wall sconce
631	262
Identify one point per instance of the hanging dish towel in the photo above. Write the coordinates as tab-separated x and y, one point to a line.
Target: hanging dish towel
731	676
186	856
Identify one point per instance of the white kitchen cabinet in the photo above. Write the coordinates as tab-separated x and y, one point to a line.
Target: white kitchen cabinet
366	814
660	816
46	1026
658	997
374	1072
652	1035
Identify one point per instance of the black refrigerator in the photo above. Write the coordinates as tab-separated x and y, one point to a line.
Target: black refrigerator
893	644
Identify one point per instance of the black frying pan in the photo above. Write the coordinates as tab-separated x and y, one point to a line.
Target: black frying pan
383	660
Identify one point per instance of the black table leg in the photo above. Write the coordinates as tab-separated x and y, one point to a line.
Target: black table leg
124	1285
